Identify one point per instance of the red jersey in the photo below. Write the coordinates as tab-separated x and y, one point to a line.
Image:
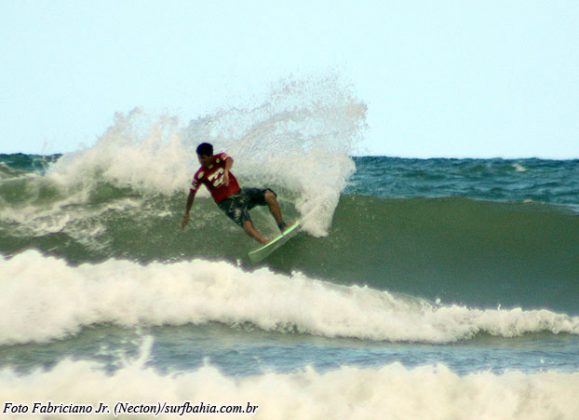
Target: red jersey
212	177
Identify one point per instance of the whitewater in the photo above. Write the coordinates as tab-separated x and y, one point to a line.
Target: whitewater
437	288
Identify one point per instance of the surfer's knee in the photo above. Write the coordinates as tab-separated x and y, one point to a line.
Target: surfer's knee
270	196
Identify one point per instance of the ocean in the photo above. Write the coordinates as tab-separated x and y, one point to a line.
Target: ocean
418	288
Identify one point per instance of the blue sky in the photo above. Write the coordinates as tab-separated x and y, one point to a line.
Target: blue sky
440	78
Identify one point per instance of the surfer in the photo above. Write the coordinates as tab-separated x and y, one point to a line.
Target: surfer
234	201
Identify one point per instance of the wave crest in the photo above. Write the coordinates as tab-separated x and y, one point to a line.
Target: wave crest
46	299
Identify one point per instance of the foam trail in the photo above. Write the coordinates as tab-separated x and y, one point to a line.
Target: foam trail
299	141
45	299
432	392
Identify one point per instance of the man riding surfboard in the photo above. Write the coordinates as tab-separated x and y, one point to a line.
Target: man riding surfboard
234	201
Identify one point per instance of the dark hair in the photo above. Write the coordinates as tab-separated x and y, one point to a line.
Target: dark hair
205	149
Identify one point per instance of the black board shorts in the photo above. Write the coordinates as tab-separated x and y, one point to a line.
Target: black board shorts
237	206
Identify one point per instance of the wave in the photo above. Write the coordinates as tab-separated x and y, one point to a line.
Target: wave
123	198
46	299
433	392
475	252
472	252
299	140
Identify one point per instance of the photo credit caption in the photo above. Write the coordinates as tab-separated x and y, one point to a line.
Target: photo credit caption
122	408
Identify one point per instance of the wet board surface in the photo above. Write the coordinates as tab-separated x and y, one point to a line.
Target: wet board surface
264	251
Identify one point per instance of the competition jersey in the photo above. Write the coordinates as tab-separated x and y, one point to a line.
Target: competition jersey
212	177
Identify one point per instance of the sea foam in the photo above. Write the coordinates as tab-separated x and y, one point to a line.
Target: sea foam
45	299
391	391
297	141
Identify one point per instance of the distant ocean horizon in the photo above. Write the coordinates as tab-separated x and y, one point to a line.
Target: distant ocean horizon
352	155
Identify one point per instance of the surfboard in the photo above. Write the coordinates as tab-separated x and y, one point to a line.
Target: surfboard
264	251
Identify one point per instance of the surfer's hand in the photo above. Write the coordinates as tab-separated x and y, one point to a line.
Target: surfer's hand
184	221
226	178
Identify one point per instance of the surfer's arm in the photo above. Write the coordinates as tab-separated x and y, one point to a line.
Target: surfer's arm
188	206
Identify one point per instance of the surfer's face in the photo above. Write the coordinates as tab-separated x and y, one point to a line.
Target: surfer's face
204	160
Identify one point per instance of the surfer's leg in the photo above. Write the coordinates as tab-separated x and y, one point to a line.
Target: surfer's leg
265	197
274	208
253	232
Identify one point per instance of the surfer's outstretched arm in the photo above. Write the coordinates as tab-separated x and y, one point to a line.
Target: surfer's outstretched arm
188	206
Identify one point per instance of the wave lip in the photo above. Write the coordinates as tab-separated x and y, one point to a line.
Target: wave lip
45	299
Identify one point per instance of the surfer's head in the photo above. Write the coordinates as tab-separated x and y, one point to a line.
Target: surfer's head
205	153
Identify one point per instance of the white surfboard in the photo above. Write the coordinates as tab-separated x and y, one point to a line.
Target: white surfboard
264	251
